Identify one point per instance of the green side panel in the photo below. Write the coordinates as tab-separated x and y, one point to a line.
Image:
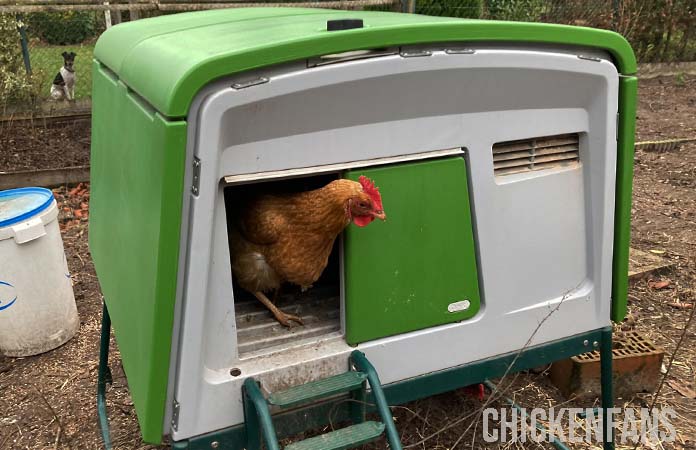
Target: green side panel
168	59
402	274
137	169
628	94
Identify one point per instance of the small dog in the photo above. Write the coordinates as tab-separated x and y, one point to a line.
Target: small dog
63	87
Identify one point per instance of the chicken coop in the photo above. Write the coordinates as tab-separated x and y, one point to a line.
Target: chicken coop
503	154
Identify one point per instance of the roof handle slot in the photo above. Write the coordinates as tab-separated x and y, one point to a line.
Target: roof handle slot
343	24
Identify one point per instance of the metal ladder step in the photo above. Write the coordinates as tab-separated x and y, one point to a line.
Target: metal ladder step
314	390
342	439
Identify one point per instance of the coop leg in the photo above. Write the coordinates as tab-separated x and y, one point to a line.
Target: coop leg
257	418
251	422
607	382
104	377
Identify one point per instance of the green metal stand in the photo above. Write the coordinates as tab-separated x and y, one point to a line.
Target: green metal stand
104	377
24	43
606	359
316	414
259	423
363	365
258	418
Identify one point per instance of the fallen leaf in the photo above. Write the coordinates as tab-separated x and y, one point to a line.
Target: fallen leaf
683	390
659	284
680	305
658	252
78	188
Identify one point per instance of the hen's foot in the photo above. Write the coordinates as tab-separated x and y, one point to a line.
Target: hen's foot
286	319
281	317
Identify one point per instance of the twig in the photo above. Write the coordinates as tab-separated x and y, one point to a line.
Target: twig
669	365
7	438
57	442
498	392
415	414
55	416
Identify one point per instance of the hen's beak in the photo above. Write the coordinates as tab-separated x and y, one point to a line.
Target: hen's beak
380	215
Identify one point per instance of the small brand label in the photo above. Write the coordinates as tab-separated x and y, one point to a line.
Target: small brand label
7	295
458	306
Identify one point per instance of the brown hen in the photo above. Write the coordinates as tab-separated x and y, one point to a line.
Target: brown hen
288	237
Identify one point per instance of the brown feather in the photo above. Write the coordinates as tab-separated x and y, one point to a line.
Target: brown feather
288	237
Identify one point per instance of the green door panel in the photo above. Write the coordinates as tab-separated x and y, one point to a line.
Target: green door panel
137	179
402	274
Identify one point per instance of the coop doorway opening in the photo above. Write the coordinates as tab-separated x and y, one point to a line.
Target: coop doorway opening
318	307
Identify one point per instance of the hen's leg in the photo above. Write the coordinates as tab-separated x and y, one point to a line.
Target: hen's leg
283	318
276	294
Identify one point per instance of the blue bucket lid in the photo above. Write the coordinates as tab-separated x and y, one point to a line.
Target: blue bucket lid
20	204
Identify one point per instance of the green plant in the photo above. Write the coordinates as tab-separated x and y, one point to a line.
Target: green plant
516	10
15	85
659	30
450	8
63	28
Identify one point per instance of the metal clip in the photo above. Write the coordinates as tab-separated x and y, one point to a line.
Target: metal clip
250	83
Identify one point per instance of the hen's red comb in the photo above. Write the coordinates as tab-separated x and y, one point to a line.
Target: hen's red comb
371	190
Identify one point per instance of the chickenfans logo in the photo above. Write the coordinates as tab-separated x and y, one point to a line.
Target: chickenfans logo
578	425
7	295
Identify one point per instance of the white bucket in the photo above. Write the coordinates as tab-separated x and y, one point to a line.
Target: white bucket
37	304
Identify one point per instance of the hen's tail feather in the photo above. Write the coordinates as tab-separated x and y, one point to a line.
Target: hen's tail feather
253	273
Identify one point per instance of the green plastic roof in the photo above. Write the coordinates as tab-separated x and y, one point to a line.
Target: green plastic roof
168	59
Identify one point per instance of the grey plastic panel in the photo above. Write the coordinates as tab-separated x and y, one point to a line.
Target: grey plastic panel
544	237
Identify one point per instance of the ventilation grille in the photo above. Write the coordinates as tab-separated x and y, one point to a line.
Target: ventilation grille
535	154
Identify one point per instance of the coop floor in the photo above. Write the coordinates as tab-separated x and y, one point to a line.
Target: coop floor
257	329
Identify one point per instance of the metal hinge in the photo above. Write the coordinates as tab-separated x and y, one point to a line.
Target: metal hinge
175	416
196	183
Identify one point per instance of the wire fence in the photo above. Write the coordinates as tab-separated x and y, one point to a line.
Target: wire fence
34	34
658	30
